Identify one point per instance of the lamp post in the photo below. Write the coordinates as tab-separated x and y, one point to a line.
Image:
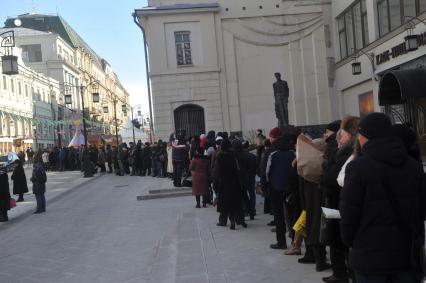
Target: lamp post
133	127
106	110
88	170
132	108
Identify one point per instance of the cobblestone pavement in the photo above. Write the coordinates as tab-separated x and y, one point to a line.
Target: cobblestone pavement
99	232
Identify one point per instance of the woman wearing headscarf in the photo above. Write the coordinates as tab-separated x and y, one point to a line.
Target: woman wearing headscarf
228	187
19	181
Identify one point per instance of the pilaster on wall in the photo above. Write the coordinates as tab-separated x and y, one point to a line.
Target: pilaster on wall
293	44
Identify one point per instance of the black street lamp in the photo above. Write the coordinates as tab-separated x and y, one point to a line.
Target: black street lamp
68	99
9	61
115	118
95	97
411	40
356	65
356	68
411	43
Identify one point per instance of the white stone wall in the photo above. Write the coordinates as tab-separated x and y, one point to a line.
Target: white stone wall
236	52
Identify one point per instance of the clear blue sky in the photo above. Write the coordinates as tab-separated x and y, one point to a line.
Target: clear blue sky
107	26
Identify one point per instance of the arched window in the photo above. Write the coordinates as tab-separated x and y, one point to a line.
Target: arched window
190	119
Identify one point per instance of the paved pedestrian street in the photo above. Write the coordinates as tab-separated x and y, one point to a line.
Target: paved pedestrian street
99	232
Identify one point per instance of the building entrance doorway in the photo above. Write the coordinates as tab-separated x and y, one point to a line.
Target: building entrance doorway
190	119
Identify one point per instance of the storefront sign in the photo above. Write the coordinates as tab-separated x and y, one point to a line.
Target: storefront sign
398	50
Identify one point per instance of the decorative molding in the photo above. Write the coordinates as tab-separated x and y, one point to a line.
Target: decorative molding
246	35
284	33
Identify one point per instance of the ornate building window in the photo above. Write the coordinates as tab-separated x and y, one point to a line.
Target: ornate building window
353	29
4	82
12	85
183	48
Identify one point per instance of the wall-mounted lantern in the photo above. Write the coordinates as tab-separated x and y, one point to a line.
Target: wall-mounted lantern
9	61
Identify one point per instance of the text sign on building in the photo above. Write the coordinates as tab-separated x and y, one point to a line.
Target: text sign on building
398	50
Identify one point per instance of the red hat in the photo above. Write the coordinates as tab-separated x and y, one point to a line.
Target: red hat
275	133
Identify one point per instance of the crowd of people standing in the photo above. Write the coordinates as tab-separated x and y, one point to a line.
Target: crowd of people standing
367	170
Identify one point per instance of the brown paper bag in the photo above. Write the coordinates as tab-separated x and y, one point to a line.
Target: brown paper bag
309	156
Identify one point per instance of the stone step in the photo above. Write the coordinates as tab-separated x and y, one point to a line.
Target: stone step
162	191
164	195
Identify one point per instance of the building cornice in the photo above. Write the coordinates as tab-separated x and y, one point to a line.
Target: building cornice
185	71
177	9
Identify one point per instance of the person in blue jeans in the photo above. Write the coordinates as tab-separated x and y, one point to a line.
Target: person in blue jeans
39	179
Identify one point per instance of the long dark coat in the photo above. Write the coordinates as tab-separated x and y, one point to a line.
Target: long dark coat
369	225
200	170
230	198
4	193
39	179
312	201
19	181
146	156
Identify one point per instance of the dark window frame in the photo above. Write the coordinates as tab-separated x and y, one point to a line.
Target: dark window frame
185	47
402	14
365	38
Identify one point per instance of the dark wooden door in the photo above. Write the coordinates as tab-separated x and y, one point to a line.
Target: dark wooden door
190	119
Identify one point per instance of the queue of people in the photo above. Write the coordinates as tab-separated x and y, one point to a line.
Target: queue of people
368	170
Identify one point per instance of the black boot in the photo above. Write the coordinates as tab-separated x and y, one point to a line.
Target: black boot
4	218
21	198
320	260
309	256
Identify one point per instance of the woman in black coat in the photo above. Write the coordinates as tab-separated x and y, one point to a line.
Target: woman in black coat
19	181
4	197
39	179
230	194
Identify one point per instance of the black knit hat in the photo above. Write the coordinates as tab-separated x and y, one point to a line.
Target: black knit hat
334	126
375	125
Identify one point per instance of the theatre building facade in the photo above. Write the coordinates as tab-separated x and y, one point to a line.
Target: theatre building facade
380	54
212	63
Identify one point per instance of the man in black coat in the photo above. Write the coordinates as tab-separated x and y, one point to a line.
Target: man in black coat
382	187
146	159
